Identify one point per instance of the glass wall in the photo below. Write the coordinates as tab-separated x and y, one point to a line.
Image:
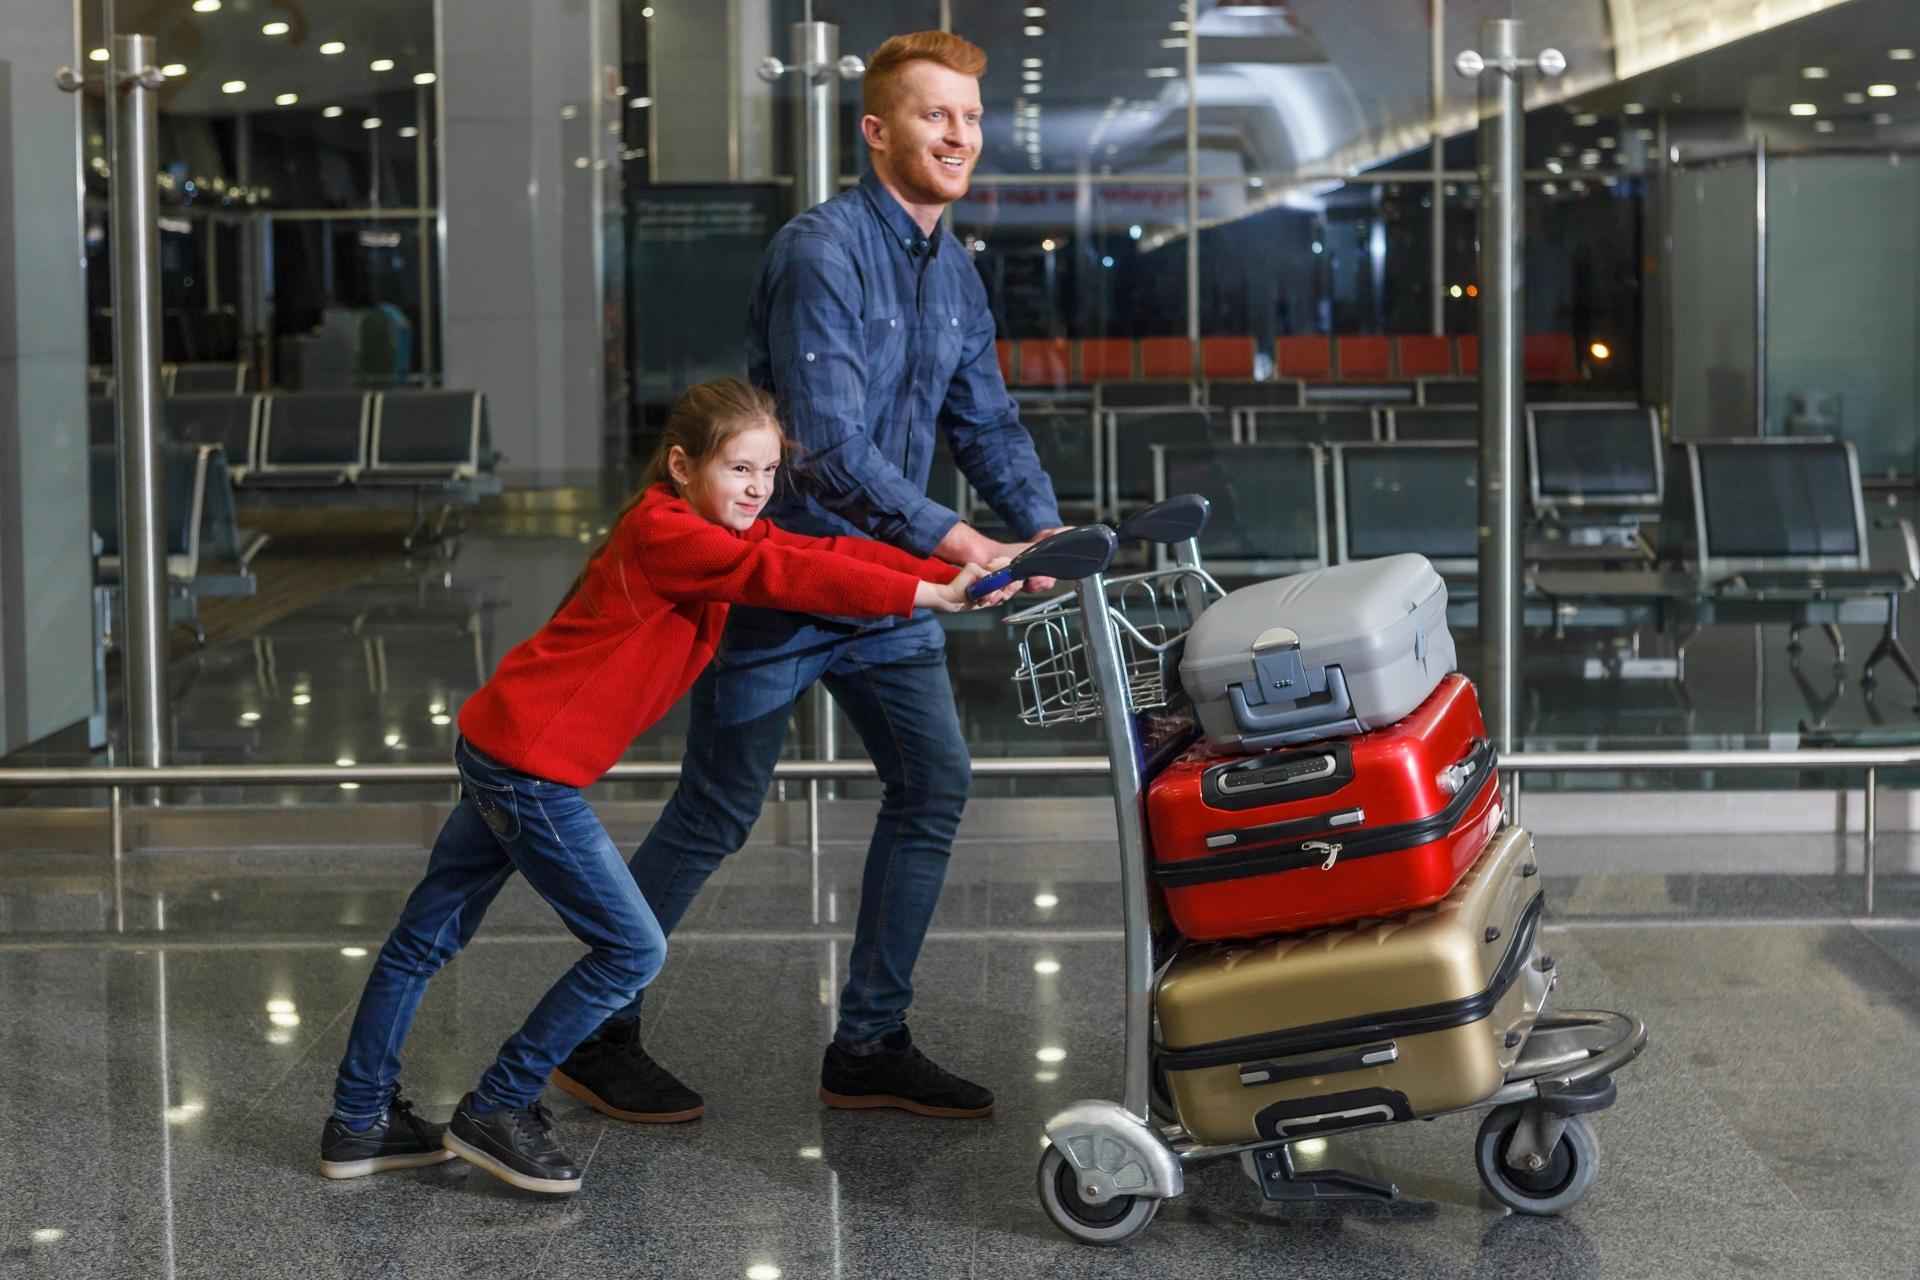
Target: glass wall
296	184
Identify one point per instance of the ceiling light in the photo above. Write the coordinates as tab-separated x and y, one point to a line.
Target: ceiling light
1634	108
206	6
1881	91
371	122
443	720
1813	73
425	78
275	29
1034	11
1046	966
1823	126
979	246
1881	117
1900	55
1804	109
1047	244
1600	351
1586	119
349	786
96	55
285	99
1455	291
332	47
1174	42
408	132
1045	901
1162	73
345	761
302	699
249	717
331	113
647	12
353	953
380	64
1855	99
172	68
1030	62
234	86
1177	25
1034	31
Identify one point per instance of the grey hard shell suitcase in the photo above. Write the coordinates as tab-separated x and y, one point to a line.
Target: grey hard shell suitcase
1324	654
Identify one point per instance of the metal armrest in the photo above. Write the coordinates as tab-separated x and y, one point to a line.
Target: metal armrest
1905	526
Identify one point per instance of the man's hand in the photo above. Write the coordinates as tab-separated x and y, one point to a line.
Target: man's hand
951	597
965	544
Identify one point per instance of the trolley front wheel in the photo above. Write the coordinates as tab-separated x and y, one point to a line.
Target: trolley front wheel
1556	1185
1115	1222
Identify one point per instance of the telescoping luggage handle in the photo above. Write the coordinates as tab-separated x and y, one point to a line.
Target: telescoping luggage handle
1069	555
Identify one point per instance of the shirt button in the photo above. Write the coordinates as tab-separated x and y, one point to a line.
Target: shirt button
893	324
809	357
954	319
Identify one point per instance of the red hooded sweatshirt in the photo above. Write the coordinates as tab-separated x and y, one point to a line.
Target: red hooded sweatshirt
565	703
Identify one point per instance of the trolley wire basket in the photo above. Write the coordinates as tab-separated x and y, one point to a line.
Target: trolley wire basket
1054	672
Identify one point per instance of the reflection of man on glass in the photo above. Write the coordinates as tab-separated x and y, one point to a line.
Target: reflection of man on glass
870	325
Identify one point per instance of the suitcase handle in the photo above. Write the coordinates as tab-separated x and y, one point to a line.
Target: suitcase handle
1331	705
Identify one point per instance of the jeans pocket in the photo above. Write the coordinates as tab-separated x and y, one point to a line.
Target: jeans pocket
494	801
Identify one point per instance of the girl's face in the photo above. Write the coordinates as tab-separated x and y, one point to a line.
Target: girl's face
733	485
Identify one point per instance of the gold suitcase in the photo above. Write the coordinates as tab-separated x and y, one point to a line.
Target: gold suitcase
1361	1023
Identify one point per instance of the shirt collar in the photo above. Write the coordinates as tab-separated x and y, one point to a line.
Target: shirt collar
899	224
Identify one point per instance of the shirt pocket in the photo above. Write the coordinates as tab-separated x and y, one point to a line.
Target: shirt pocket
886	338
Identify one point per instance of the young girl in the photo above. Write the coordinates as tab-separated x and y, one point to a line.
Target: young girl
638	624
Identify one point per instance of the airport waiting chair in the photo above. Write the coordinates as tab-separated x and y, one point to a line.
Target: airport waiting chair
434	443
1423	355
311	440
1269	504
1393	498
223	377
1248	393
1332	424
1128	449
1431	422
1145	393
230	421
1446	391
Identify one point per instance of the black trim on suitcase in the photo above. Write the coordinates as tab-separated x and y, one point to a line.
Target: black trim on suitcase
1369	1027
1384	1053
1218	789
1303	1117
1291	857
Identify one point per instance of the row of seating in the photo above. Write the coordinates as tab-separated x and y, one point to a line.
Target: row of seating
1102	461
230	377
1352	358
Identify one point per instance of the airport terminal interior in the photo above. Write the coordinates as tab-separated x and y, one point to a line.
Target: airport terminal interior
420	282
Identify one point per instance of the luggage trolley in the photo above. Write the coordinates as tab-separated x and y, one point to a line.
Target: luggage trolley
1112	644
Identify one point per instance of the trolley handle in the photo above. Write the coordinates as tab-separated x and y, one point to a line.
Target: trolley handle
1068	555
1175	520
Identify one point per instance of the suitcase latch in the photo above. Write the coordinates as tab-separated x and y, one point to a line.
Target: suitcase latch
1322	846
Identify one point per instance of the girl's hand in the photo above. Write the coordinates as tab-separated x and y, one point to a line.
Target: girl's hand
951	597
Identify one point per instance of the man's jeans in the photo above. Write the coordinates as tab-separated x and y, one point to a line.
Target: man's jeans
892	684
505	821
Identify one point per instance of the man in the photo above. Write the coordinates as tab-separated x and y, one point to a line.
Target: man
868	323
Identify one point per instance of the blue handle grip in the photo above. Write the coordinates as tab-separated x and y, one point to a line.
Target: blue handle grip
991	583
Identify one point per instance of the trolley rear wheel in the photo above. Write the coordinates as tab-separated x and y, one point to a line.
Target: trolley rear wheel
1115	1222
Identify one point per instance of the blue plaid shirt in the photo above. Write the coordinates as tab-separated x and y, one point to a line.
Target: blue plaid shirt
870	334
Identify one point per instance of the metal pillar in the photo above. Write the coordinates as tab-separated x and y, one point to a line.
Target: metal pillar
816	139
1760	287
1437	142
1192	15
1498	68
136	364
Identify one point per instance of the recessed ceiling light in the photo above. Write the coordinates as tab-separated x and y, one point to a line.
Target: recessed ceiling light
1034	31
174	69
331	113
96	55
234	86
408	132
371	122
1900	55
1855	99
1586	119
425	78
1881	91
1804	109
1034	11
1813	73
285	99
206	6
275	29
332	47
1162	73
1634	108
1823	126
380	64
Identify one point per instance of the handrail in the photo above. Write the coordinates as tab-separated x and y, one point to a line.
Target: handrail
1870	760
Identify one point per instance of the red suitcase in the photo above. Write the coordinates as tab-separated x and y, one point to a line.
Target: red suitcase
1371	825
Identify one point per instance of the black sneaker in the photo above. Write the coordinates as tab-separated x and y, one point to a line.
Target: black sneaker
611	1073
515	1145
397	1140
899	1075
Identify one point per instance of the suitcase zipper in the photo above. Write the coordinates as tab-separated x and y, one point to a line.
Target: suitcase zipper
1367	1028
1321	846
1292	857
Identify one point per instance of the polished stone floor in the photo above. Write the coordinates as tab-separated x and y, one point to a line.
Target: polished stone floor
164	1084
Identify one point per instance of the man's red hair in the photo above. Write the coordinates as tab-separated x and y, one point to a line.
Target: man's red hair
880	87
